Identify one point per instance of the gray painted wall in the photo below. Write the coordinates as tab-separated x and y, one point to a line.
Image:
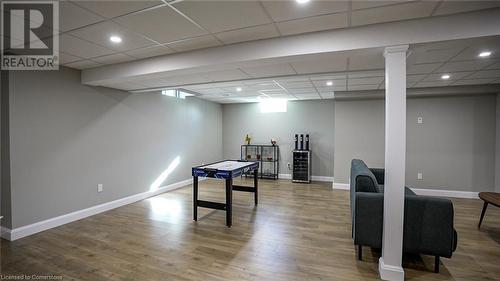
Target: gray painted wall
454	148
4	151
66	138
497	145
315	117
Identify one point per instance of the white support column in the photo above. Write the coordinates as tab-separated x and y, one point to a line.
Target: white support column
395	156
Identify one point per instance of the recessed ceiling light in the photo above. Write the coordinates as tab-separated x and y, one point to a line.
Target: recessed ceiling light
302	1
445	76
238	89
115	39
485	54
329	83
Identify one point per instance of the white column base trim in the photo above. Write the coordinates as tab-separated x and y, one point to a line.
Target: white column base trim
341	186
446	193
314	178
390	272
20	232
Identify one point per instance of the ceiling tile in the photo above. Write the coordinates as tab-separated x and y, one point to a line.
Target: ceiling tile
333	76
472	81
491	44
248	34
114	8
81	48
453	7
398	12
100	33
194	43
153	23
423	68
366	59
274	92
495	65
361	4
365	81
312	24
66	58
297	85
217	16
84	64
339	88
485	74
73	16
433	55
432	84
322	83
114	58
321	63
308	97
222	75
362	87
149	52
327	95
326	89
262	86
463	66
368	73
415	78
269	70
289	10
301	90
453	76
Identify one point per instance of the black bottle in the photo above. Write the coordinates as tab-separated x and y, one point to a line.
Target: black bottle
296	142
307	142
301	141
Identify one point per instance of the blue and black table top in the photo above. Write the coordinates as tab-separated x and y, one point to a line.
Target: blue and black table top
225	169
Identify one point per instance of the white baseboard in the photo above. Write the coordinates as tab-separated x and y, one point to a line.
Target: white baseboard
314	178
424	191
446	193
20	232
390	272
342	186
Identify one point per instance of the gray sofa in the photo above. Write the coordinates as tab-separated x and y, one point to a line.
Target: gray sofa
428	221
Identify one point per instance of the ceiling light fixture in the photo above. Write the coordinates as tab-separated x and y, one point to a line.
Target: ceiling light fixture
302	1
238	89
445	76
329	83
115	39
485	54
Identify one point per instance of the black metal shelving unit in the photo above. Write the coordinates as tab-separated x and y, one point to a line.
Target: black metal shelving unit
268	157
301	166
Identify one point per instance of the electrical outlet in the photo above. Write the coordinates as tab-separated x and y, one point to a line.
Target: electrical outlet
100	187
420	120
420	176
289	166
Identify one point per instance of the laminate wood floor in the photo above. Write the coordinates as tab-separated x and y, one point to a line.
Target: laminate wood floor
297	232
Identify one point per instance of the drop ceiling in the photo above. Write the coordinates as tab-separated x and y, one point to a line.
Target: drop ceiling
152	28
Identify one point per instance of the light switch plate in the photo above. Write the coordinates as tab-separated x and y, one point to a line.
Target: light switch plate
419	176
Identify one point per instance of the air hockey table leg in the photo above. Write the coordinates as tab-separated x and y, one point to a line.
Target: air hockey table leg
195	198
229	202
255	185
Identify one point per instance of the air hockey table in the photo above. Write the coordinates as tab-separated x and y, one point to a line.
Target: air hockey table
224	170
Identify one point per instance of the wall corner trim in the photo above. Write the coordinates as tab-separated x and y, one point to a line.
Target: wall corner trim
23	231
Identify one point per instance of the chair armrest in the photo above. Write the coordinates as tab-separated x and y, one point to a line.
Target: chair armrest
428	226
368	218
379	174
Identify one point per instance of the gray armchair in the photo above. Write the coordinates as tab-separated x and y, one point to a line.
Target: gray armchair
428	221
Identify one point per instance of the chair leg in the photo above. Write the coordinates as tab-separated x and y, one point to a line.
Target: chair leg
436	264
485	205
360	252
